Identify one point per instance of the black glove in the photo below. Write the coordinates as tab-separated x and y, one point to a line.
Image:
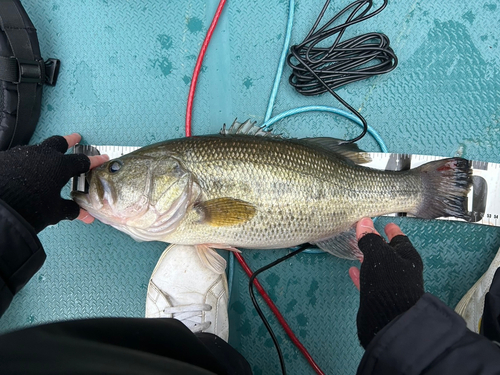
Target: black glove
31	179
391	282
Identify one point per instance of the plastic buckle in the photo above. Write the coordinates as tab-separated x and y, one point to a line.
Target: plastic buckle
52	71
30	71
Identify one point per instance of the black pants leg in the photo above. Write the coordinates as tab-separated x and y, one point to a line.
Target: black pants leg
490	324
126	346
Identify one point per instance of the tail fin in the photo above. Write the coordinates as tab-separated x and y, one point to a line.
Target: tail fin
446	185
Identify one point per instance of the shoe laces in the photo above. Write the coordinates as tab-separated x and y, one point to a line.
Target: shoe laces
190	315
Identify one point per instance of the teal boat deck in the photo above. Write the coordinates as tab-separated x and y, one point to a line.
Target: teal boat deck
125	75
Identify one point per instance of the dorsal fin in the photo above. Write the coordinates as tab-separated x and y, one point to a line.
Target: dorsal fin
349	151
247	128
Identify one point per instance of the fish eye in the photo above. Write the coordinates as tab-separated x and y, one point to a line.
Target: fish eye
115	166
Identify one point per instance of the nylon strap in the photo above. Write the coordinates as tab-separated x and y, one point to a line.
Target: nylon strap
29	72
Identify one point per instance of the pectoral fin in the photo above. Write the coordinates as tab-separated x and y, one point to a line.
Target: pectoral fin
221	212
210	258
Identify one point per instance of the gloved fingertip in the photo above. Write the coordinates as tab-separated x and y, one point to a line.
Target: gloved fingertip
56	142
69	210
400	239
405	249
76	164
371	242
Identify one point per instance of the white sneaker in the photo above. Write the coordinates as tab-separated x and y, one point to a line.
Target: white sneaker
471	305
182	287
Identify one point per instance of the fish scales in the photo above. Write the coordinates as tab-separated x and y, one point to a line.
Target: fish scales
301	193
253	191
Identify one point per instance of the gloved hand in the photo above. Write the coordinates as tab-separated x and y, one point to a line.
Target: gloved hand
390	279
31	179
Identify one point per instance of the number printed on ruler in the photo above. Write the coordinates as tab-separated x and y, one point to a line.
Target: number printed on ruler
483	202
115	151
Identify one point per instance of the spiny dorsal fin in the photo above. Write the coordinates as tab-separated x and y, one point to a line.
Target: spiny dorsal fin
222	212
349	151
247	128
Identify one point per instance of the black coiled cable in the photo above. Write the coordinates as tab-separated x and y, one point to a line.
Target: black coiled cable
320	69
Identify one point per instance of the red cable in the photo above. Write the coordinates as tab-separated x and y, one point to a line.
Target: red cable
278	315
240	259
197	67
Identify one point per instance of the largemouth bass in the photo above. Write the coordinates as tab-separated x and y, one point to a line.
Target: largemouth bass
238	190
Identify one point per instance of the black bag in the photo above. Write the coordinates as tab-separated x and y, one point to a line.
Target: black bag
22	75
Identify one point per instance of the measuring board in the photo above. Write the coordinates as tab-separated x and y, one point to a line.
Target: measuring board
483	203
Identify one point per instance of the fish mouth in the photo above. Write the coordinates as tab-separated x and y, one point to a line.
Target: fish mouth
82	199
99	193
95	202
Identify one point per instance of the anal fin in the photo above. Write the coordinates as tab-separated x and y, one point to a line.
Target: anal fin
343	245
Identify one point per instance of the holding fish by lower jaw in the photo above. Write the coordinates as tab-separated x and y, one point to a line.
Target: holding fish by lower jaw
246	188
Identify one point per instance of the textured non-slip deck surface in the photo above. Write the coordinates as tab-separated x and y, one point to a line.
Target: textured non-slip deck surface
125	74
